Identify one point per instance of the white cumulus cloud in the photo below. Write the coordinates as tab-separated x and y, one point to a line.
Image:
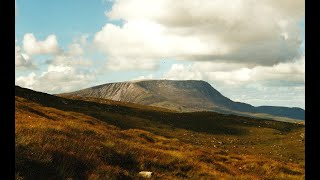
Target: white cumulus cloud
22	60
32	46
293	71
65	70
252	32
56	79
282	84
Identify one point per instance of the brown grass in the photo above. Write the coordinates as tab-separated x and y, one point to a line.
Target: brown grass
57	143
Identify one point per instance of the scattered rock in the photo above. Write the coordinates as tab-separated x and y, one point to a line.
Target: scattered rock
145	174
302	135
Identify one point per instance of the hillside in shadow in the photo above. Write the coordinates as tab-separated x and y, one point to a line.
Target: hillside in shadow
209	122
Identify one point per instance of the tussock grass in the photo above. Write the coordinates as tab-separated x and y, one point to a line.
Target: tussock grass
117	141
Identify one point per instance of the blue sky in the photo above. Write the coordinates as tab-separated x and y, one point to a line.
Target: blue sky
117	40
66	19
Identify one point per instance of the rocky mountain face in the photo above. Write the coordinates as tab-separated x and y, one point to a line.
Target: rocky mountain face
188	95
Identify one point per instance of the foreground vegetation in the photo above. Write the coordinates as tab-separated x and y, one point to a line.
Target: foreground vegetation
87	138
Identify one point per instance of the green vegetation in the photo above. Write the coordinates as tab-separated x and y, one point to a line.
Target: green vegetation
88	138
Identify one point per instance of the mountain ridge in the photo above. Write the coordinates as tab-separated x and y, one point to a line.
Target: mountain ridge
183	95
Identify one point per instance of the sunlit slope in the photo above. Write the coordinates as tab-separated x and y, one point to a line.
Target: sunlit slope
89	138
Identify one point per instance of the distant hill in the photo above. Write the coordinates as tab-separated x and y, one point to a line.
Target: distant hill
189	95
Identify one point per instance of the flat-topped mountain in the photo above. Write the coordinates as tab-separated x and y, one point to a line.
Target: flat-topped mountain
188	95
